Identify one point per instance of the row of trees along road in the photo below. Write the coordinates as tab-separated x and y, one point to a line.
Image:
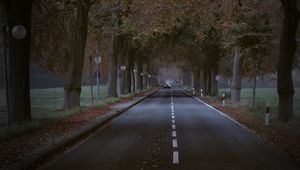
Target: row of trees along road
207	38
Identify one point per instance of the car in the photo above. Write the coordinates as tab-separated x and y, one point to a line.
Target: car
167	86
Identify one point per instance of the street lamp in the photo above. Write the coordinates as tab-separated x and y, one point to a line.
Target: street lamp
18	32
97	61
148	83
134	80
123	68
218	78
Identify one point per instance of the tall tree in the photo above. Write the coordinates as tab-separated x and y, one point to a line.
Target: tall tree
73	82
18	13
236	77
285	87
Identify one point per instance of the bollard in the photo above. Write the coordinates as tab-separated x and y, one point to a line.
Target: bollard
267	116
224	99
201	91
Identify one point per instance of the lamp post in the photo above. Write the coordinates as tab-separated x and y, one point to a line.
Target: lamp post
18	32
218	79
97	61
141	82
149	79
134	80
123	68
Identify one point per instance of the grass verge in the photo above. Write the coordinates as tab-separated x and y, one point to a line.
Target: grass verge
45	108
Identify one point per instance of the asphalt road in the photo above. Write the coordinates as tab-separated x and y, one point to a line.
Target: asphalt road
171	130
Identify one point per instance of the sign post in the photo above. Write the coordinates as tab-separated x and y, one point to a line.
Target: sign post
97	61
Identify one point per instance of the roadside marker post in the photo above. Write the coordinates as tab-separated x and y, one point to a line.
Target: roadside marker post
267	116
224	99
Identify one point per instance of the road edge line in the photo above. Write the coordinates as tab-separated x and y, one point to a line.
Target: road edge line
220	112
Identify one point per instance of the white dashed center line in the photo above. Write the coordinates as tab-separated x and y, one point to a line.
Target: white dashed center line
175	143
175	157
174	134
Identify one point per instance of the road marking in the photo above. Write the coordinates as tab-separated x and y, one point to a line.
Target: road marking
175	143
218	111
174	134
175	157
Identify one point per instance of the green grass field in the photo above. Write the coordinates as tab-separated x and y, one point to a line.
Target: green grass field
266	96
47	103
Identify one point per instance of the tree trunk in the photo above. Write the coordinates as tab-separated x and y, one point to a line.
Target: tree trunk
135	78
73	82
19	107
254	93
192	79
204	73
214	82
130	66
147	76
141	80
197	80
112	71
285	86
236	78
202	81
254	86
208	85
